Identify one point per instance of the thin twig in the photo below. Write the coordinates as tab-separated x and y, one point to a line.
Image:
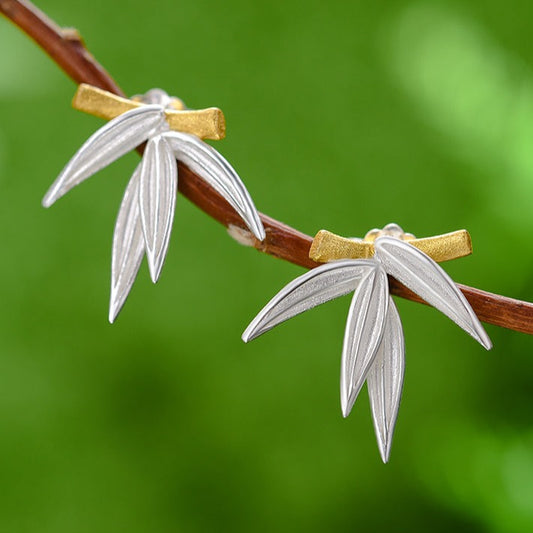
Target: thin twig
68	51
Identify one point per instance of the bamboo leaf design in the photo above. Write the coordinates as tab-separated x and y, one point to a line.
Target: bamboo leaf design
157	201
373	348
128	246
364	331
145	218
385	380
217	172
315	287
108	144
426	278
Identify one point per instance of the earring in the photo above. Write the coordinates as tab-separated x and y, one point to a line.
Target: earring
145	217
373	349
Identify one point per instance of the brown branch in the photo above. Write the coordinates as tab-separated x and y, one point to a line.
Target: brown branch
67	50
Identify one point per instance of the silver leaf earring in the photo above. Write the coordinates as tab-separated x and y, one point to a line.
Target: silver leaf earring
145	217
373	349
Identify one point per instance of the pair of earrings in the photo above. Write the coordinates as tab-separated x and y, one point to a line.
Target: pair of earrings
373	350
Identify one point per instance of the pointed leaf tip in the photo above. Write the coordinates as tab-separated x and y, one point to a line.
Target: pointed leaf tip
205	161
385	381
157	201
425	277
106	145
128	247
46	201
364	331
319	285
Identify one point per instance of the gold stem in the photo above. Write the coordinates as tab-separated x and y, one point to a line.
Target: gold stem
328	247
204	123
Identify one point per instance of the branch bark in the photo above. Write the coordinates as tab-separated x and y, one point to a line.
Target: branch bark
67	50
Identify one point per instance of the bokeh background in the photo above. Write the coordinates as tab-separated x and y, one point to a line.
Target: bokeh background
341	115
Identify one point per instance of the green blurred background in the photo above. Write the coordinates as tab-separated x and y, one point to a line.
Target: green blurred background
341	115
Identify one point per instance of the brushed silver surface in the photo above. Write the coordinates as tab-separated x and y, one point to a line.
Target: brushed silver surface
363	334
157	200
109	143
373	348
426	278
145	218
128	246
217	172
313	288
385	381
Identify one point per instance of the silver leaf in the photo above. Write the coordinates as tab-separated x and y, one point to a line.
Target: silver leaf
157	200
108	144
128	246
315	287
385	380
364	330
426	278
219	174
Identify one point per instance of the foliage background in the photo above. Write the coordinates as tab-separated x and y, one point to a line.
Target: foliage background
341	115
